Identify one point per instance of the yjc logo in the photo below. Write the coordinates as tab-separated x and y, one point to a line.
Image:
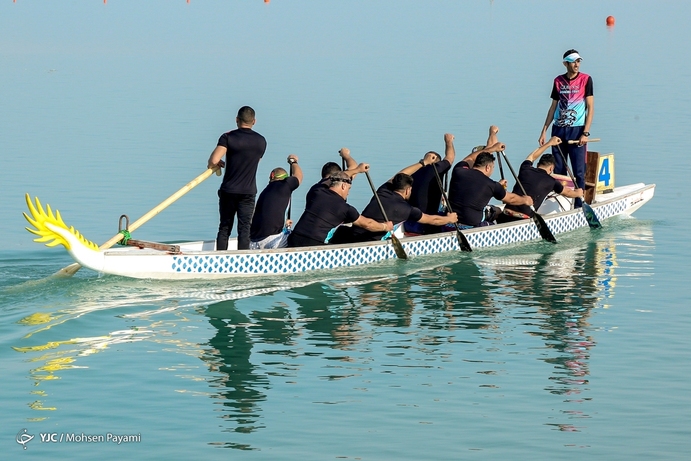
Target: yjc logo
23	438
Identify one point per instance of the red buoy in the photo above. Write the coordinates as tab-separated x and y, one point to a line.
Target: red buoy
610	20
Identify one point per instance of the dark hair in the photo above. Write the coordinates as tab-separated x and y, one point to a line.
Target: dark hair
569	52
546	160
401	181
246	114
329	169
482	159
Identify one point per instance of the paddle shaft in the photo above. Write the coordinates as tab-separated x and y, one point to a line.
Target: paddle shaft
545	233
290	199
73	268
576	141
400	251
462	240
590	216
501	168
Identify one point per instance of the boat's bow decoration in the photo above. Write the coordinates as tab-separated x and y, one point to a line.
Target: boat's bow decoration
52	229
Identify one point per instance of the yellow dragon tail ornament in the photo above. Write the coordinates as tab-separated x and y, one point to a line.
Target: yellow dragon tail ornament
48	227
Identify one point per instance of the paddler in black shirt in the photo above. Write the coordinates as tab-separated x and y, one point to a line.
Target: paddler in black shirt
327	210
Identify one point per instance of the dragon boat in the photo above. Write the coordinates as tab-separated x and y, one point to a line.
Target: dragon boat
199	260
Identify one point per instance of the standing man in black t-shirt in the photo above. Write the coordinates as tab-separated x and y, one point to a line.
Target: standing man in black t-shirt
268	222
426	194
242	148
538	182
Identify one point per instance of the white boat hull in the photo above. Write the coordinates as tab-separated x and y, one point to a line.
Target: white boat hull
198	260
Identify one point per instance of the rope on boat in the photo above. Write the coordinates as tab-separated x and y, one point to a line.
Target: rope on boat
126	237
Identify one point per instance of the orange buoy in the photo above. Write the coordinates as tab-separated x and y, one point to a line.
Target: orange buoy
610	20
267	1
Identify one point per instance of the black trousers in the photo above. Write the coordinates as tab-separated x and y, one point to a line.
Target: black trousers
228	206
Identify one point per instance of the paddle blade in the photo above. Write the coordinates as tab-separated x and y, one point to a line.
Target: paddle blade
462	240
542	228
398	248
591	217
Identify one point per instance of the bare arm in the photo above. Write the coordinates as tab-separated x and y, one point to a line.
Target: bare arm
361	168
548	121
572	193
450	150
496	147
534	155
514	199
409	170
215	159
436	220
351	164
295	168
372	225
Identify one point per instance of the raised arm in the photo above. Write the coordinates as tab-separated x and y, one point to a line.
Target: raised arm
534	155
449	150
295	168
350	162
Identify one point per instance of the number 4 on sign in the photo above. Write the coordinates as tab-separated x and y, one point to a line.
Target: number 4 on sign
605	175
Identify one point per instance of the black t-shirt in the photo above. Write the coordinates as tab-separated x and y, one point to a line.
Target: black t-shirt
470	191
538	183
245	149
324	212
269	214
397	210
426	194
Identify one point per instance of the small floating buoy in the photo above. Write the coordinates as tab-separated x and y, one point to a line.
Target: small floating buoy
610	20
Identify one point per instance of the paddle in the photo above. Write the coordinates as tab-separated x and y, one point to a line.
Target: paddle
462	240
290	199
576	141
501	168
542	228
398	248
588	211
72	269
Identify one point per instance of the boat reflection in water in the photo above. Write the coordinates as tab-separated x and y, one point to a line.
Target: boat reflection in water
466	324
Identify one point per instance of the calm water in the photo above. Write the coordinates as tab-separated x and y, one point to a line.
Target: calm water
539	351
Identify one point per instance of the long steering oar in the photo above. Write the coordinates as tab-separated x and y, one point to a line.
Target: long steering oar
72	269
398	248
539	221
576	141
588	211
462	240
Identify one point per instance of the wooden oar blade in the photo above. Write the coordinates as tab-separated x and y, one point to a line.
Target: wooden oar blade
542	228
591	217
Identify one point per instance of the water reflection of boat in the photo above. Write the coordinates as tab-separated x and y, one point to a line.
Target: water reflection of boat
197	260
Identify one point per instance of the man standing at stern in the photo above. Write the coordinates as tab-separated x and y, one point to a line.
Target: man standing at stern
571	113
242	148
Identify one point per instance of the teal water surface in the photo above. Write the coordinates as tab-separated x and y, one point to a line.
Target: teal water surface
535	351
